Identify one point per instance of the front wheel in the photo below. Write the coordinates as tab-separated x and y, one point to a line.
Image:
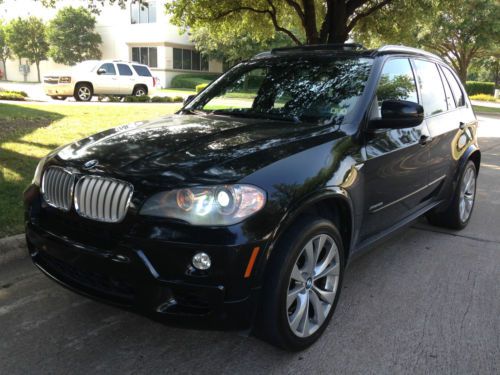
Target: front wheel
83	92
458	214
302	285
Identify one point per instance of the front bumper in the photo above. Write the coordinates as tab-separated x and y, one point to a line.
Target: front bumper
63	89
151	277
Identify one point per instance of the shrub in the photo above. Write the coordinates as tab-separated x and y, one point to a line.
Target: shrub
484	98
475	87
11	95
191	80
177	99
201	87
161	99
137	99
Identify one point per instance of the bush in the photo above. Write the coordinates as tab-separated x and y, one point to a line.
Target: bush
11	95
484	98
137	99
201	87
475	88
161	99
191	80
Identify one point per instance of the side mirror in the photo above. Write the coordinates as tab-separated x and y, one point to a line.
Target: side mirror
101	71
188	99
398	114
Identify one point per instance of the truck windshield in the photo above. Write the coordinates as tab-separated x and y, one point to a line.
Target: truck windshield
315	90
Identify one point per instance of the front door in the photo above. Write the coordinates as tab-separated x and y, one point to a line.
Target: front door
107	83
396	166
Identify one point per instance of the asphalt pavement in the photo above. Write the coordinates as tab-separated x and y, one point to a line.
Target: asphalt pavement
427	301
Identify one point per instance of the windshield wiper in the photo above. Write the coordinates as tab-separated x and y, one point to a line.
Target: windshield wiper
264	115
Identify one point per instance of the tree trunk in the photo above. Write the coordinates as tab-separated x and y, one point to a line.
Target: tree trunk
38	70
310	22
4	69
337	32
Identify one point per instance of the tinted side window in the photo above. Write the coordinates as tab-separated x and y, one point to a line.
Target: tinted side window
142	70
431	88
110	69
455	87
397	82
124	70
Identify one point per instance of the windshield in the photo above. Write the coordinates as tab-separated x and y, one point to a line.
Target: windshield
319	91
86	66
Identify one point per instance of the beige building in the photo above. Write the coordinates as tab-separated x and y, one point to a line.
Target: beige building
136	33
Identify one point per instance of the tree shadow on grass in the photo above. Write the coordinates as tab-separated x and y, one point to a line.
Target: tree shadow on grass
16	168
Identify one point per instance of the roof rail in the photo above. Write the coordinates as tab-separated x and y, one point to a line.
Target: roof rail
320	47
410	50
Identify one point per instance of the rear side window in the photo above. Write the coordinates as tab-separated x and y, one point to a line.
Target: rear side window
124	70
431	88
458	95
397	82
110	69
142	70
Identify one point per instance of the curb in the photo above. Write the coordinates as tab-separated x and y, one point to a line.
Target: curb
12	248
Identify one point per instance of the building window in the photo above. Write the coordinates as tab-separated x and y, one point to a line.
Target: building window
143	12
187	59
145	55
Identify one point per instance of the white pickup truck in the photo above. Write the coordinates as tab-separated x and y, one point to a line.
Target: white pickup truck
107	77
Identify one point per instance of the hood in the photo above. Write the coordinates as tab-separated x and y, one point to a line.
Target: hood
192	148
60	73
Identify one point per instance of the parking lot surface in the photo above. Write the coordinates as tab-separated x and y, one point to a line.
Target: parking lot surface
425	301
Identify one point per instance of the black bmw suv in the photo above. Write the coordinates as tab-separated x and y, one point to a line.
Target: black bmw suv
244	208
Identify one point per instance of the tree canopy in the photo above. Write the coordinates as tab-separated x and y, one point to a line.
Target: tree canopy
457	30
302	21
27	38
72	37
5	53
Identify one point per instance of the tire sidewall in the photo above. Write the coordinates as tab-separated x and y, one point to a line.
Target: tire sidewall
289	250
463	224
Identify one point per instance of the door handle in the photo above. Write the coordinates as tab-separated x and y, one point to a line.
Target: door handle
461	125
424	139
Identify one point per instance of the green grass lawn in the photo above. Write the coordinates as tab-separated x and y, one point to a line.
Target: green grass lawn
29	131
479	108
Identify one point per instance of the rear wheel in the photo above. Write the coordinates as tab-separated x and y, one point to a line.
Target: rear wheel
302	285
458	214
140	91
83	92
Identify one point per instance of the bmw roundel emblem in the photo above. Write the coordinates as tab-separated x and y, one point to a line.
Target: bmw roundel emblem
90	164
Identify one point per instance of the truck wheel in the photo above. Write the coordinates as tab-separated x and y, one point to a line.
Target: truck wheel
83	92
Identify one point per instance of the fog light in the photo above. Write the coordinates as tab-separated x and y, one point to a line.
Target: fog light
202	261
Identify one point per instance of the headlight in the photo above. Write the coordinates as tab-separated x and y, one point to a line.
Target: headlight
213	205
64	79
37	178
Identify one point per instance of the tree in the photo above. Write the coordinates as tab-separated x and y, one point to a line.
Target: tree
457	30
72	38
233	48
4	49
27	38
302	21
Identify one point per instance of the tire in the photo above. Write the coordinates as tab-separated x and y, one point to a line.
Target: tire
283	296
140	90
83	92
459	212
58	97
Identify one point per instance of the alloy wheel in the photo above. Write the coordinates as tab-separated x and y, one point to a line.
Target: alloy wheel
467	194
84	93
313	285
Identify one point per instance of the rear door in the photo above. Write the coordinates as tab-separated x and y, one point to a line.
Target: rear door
127	78
396	167
443	118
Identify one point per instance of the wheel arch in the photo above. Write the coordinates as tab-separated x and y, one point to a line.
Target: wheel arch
333	204
83	82
137	85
